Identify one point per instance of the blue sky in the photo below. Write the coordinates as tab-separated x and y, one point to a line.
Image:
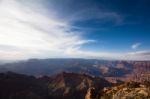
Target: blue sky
103	29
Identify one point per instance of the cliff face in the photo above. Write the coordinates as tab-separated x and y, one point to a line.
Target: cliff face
61	86
91	93
17	86
74	86
68	86
79	86
139	71
111	70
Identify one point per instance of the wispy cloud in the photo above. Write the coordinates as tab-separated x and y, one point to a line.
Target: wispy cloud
92	54
137	55
136	45
98	14
29	32
140	53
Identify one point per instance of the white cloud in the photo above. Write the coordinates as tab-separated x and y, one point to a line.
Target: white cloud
26	32
92	54
140	53
137	55
135	46
96	13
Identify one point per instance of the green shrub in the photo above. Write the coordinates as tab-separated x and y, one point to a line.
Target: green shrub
106	96
133	84
147	83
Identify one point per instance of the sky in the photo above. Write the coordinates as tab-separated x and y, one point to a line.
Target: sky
100	29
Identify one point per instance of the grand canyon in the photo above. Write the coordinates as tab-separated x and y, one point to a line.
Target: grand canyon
74	49
76	79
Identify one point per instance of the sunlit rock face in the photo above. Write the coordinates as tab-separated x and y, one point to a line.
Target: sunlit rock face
74	86
130	90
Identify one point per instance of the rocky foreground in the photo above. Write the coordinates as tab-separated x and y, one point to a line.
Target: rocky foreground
130	90
69	86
